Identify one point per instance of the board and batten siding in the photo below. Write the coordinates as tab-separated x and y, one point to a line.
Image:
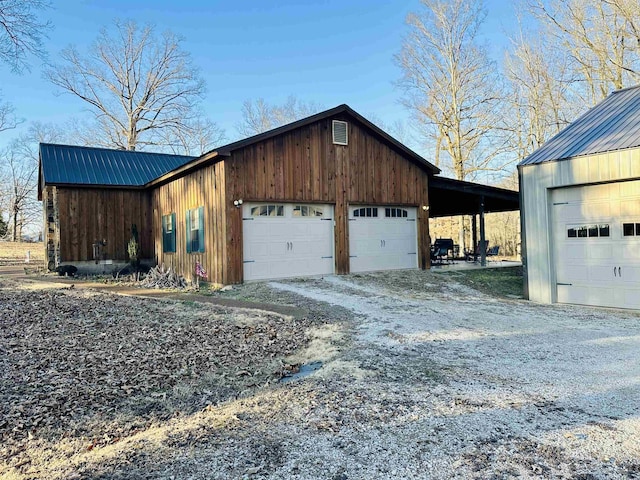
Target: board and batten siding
536	182
203	187
88	215
304	165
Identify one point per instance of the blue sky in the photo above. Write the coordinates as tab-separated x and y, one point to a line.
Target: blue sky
325	51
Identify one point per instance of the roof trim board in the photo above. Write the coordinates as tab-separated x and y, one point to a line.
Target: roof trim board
185	169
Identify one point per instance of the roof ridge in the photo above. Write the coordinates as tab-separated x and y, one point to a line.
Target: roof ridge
625	89
342	108
119	150
609	125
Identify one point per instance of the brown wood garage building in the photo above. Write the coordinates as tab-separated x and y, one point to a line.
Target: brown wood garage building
331	193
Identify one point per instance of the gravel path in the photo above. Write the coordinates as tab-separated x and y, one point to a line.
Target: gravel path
422	378
510	388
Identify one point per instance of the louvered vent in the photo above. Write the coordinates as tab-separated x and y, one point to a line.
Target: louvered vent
340	132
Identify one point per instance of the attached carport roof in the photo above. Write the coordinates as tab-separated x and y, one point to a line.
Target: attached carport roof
449	197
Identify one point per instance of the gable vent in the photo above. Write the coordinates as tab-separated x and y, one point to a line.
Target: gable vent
340	132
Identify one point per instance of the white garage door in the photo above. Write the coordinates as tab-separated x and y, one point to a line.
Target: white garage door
596	244
285	240
382	238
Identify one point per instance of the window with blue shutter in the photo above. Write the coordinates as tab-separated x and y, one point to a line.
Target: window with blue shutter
169	233
195	230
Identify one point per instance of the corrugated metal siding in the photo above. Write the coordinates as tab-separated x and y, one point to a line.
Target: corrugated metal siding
64	164
536	182
613	124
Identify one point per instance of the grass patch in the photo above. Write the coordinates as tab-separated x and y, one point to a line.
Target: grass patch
14	253
501	282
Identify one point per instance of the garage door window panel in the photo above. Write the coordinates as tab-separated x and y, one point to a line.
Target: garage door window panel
631	229
395	213
628	229
366	212
308	211
588	231
268	211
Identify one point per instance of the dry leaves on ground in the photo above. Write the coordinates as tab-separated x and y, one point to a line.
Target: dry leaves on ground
82	364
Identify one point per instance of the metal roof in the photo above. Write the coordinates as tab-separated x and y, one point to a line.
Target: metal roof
613	124
449	197
66	164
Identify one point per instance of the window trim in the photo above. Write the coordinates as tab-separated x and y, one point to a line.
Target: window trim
592	230
369	212
635	229
313	211
277	207
199	232
346	132
396	212
169	236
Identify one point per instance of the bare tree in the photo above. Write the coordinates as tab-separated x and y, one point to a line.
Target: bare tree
19	182
540	93
399	129
258	116
143	90
22	178
8	119
629	11
600	38
453	89
195	138
22	32
451	85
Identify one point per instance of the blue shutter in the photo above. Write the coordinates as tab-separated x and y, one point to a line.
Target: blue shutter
173	233
201	229
188	232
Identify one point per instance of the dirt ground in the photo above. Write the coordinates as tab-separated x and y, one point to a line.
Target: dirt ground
15	253
423	376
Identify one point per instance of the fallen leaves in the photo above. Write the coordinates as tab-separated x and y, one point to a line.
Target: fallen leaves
98	366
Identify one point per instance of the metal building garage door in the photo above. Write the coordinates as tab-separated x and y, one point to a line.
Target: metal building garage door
382	238
596	244
287	240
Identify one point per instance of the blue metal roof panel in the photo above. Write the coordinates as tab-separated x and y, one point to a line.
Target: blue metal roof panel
613	124
66	164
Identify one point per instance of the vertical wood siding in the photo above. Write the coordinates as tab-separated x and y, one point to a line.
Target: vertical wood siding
203	187
91	214
299	166
305	165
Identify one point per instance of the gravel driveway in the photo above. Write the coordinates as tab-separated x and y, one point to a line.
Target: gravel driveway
444	382
423	377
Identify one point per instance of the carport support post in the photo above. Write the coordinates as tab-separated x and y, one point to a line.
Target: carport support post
483	243
474	232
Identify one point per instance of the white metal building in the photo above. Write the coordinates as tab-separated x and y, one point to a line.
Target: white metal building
580	209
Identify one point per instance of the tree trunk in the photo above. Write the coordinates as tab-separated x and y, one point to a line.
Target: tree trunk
15	224
461	235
